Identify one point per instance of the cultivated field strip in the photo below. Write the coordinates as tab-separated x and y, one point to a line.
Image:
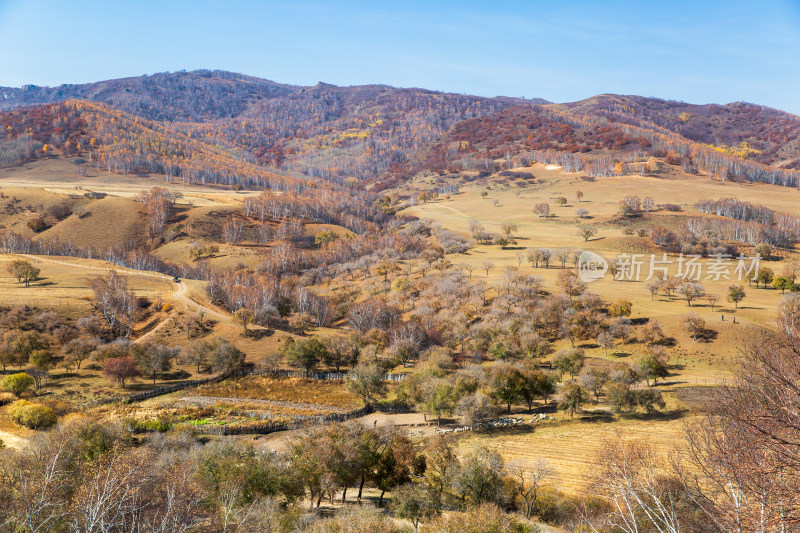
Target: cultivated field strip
571	449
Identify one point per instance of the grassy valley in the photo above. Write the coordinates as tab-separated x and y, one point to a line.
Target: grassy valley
318	296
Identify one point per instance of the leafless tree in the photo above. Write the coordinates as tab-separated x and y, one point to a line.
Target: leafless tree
629	474
744	457
587	232
563	255
542	210
232	231
116	303
528	482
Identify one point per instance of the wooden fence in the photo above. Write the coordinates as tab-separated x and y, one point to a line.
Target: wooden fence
152	393
323	376
264	428
167	389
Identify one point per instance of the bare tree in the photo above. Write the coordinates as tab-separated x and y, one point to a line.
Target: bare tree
528	482
563	255
629	474
587	232
691	290
606	341
712	300
114	301
742	461
654	286
232	231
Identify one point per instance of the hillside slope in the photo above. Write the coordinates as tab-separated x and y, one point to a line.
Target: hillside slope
746	130
193	96
322	131
235	130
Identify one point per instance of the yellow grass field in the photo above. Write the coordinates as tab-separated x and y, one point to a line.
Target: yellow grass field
295	390
570	448
601	198
568	445
64	287
59	175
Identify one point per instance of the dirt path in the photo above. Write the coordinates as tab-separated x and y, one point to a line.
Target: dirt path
12	441
178	294
453	209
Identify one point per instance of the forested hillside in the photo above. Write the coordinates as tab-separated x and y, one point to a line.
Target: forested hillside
197	95
741	129
220	127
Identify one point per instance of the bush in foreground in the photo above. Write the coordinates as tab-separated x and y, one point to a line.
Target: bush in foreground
17	383
32	415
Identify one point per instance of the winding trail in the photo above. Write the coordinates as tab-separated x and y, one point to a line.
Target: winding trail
11	440
178	294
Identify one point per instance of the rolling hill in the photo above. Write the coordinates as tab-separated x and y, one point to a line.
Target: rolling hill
236	130
177	96
748	130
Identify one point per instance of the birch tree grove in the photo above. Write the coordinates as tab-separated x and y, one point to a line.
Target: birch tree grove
115	302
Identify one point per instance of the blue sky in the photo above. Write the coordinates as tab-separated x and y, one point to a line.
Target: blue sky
560	50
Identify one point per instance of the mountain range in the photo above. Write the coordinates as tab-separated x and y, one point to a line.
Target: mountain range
231	128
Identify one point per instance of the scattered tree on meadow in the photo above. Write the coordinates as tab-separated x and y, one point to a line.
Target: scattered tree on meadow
653	365
570	361
573	396
542	210
630	206
791	270
736	294
594	379
225	357
120	369
23	271
587	232
652	332
765	276
606	341
691	291
244	317
654	286
620	308
783	284
694	325
196	354
153	358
